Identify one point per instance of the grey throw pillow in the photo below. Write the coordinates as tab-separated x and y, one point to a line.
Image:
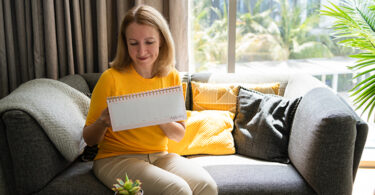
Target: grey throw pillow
262	125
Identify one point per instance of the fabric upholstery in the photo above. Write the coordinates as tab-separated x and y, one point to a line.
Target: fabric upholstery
185	80
262	125
362	130
39	156
300	84
6	166
245	77
212	96
258	179
207	132
57	107
91	80
238	174
322	142
77	82
207	96
77	179
233	175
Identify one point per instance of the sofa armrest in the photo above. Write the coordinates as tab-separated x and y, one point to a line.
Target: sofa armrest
34	160
322	142
300	84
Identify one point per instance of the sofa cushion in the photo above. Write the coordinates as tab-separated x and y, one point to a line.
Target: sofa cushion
207	132
77	179
262	179
245	77
223	96
208	96
78	82
91	79
237	174
262	125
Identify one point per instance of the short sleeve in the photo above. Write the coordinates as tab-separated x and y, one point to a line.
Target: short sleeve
102	90
177	79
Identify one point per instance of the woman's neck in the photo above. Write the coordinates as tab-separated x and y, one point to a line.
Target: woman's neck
144	72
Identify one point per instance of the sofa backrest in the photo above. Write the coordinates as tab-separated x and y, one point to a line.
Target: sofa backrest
291	85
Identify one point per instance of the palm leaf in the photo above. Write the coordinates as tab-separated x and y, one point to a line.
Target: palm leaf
355	26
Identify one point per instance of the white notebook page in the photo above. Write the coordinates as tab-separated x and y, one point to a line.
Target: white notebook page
147	108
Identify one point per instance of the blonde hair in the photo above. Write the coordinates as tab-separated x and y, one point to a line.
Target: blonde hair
146	15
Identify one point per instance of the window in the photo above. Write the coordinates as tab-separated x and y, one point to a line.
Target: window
209	35
270	35
264	30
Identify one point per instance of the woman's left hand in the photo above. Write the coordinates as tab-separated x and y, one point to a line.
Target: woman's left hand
174	130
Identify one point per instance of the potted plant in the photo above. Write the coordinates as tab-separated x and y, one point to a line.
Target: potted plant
355	26
127	187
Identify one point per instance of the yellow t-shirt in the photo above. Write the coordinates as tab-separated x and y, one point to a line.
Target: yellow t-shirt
134	141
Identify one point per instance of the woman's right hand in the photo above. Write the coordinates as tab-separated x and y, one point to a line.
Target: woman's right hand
104	118
94	133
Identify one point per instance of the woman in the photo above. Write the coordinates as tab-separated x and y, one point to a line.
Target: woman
144	61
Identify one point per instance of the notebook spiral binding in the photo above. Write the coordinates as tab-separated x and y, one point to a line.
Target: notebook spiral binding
145	94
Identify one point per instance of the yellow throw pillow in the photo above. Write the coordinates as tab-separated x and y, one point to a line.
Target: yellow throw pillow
266	88
213	96
207	132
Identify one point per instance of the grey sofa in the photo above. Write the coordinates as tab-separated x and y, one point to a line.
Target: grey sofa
324	148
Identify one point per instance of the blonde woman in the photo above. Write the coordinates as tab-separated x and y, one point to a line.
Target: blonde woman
144	61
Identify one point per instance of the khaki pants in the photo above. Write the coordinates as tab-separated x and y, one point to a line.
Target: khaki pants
159	173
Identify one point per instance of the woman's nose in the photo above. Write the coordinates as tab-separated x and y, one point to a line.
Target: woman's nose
141	49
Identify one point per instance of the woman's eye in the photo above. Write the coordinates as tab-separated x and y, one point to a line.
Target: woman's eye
150	42
133	44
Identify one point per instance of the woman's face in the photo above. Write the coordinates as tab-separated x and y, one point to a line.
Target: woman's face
143	43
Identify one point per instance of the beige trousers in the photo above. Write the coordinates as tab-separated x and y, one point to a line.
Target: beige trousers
160	173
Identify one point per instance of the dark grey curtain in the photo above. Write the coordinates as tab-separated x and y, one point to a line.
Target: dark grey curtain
55	38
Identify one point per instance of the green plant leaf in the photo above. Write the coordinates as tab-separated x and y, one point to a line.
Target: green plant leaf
355	27
120	181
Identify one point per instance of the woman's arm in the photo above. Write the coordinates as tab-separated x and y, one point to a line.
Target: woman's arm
94	133
174	130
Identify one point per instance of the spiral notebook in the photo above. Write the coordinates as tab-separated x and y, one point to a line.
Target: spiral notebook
147	108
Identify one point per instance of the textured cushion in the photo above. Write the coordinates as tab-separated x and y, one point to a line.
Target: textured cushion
78	82
245	77
210	96
77	179
91	79
32	153
262	125
322	142
238	174
207	132
258	179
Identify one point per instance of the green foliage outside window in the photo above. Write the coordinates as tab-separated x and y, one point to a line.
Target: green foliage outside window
275	33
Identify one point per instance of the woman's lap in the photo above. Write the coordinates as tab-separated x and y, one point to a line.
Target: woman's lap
160	173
